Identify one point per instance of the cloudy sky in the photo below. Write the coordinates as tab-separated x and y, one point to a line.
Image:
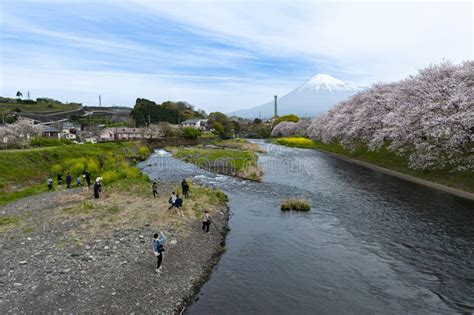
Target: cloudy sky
218	55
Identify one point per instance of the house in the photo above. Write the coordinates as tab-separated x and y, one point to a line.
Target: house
121	133
51	132
197	123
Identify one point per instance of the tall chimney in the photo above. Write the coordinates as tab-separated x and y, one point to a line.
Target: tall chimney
276	106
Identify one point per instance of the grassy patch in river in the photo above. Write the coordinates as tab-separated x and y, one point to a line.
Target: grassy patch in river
233	162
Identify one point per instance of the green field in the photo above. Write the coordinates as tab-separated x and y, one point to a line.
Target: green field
12	105
24	172
239	163
384	158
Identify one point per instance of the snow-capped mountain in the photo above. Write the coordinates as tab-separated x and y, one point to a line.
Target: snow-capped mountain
316	95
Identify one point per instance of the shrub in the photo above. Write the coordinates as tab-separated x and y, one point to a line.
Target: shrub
299	204
191	133
49	142
143	152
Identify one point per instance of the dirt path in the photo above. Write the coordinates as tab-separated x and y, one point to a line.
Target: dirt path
44	269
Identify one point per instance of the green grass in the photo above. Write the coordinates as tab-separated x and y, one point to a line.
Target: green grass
238	163
32	190
42	108
298	204
200	156
9	220
384	158
24	172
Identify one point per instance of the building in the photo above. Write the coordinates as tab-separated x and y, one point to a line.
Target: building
121	133
197	123
51	132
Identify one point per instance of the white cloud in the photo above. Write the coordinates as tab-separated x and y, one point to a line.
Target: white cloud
360	42
386	40
123	88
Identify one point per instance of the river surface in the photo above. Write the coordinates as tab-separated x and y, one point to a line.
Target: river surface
372	243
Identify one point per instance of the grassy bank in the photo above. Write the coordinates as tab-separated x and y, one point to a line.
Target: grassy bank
386	159
24	172
240	144
233	162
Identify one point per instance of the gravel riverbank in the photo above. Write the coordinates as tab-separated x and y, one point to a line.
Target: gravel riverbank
49	267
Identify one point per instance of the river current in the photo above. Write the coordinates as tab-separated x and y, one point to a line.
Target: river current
371	243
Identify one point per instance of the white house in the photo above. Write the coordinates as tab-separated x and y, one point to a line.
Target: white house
197	123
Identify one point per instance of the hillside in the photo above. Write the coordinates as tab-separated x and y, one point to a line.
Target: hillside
24	172
40	105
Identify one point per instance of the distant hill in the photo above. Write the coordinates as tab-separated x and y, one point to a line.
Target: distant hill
316	95
38	106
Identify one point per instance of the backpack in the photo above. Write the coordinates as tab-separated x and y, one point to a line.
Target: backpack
161	247
170	200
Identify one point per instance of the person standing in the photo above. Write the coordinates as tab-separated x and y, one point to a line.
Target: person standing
96	190
50	183
68	180
60	179
178	204
158	247
154	187
78	181
206	221
87	175
185	188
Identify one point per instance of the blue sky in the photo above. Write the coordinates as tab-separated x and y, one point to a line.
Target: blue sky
219	55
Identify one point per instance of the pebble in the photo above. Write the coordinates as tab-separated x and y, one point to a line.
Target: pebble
23	262
173	242
17	284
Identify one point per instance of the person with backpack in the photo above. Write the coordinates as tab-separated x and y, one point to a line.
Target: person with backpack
87	175
60	179
171	200
50	183
68	180
178	203
158	247
206	221
185	188
154	187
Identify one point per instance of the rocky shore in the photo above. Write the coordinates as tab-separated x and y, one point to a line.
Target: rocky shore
69	253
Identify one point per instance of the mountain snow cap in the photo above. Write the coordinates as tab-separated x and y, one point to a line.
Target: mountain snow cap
326	82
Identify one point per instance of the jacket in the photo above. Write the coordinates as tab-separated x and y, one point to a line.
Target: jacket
156	243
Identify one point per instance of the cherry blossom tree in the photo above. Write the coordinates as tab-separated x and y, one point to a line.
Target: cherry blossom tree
428	118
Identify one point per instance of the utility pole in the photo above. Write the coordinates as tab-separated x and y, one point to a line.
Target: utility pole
100	101
276	106
260	115
28	94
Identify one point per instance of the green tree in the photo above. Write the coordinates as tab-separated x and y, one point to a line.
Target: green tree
191	133
19	94
224	128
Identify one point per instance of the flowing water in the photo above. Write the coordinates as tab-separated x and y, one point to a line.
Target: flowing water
372	243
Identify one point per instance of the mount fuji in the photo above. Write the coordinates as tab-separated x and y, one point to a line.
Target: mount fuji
316	95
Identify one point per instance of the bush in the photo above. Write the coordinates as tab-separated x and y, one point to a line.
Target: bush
49	142
191	133
299	204
143	152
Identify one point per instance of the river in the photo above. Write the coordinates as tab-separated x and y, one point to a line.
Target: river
372	243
